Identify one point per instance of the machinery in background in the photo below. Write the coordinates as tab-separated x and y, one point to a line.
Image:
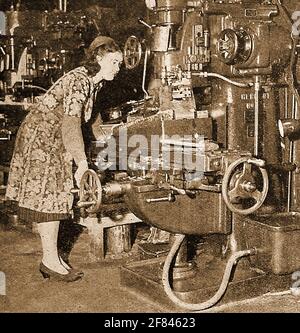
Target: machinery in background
36	48
31	58
225	75
39	47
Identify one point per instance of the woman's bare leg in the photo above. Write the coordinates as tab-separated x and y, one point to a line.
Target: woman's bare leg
49	232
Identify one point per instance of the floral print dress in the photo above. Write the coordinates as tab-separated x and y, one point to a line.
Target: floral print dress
41	177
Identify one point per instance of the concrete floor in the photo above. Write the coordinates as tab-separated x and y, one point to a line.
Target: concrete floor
99	291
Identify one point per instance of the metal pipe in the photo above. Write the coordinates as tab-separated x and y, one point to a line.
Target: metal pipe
291	156
12	46
224	78
144	75
226	277
256	116
35	87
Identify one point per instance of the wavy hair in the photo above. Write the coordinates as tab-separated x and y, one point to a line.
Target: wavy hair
90	62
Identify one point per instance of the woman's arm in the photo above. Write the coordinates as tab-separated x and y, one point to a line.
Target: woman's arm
73	142
72	138
96	128
76	94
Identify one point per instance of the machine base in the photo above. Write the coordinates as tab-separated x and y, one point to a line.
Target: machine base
144	279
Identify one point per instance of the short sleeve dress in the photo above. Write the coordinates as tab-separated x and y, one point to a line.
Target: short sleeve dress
40	177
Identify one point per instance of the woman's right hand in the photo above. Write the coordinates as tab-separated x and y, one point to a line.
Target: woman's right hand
81	169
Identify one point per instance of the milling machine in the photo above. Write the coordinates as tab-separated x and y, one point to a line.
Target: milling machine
210	154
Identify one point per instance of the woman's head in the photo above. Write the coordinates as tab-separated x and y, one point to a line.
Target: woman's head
105	56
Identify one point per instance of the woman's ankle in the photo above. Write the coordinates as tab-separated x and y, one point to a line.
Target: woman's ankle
55	265
65	264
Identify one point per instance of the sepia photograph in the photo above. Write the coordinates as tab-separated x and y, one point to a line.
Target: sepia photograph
149	159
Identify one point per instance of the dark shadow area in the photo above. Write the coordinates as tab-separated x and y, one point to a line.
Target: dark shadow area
69	232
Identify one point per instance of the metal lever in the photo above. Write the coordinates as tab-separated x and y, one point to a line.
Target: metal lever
8	133
178	190
258	162
144	23
169	198
82	204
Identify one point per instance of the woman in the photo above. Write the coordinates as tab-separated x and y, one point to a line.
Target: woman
48	141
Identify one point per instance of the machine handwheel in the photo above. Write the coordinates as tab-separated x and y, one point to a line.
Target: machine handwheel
132	52
234	46
90	192
245	186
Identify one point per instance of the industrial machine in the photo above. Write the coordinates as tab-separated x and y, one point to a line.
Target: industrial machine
210	154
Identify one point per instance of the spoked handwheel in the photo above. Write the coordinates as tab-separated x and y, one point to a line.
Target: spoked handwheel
245	185
90	192
234	46
132	52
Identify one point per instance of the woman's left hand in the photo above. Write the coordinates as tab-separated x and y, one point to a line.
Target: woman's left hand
82	168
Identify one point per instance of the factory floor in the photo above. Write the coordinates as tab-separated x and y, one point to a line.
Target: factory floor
98	292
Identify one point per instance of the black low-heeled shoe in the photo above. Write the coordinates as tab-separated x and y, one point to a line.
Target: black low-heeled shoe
48	273
76	271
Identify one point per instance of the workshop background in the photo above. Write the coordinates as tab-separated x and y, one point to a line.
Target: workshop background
225	71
